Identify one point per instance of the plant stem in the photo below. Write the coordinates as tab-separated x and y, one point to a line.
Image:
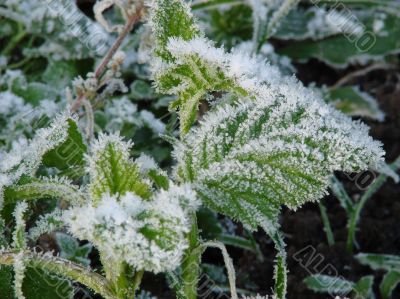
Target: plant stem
327	224
280	267
64	268
137	280
342	195
191	262
14	41
133	19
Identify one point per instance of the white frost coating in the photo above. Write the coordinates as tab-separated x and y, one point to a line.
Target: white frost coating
345	22
28	159
319	141
20	209
99	146
120	111
152	122
183	195
46	224
19	274
19	244
69	33
149	235
267	53
146	163
12	104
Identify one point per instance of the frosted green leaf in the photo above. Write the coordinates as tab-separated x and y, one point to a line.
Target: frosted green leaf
389	283
46	224
32	189
379	261
363	288
71	250
147	234
27	160
189	77
248	158
378	37
171	19
352	101
329	284
68	157
112	171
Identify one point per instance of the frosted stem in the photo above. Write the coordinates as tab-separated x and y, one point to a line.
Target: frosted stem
63	268
133	19
228	265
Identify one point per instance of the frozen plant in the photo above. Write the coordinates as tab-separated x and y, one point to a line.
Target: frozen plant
266	142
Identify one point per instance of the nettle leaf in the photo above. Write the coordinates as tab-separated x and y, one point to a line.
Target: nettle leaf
329	284
71	250
379	261
311	23
246	159
112	171
28	188
376	36
270	141
352	101
60	73
363	288
34	92
171	18
68	156
149	168
389	282
26	162
189	77
39	284
6	282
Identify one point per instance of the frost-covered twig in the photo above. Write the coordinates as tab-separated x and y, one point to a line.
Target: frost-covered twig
351	76
228	264
132	20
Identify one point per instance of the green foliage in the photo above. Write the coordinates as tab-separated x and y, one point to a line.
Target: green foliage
171	19
71	250
141	90
108	169
6	282
389	282
39	284
68	157
373	43
379	261
31	189
340	286
352	101
263	139
191	78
